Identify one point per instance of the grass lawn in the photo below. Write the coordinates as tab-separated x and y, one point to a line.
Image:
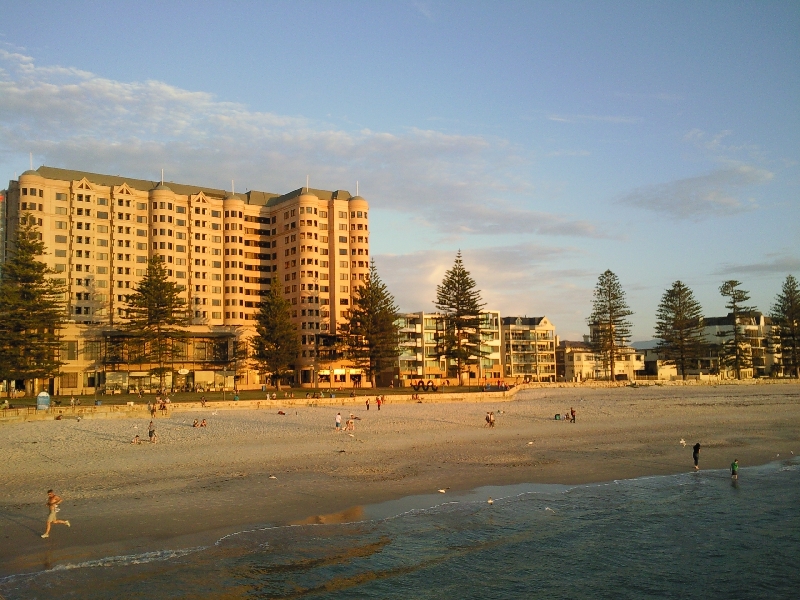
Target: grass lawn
88	399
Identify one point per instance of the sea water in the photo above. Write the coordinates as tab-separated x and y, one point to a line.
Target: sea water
694	535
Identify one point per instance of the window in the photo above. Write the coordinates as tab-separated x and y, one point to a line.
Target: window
101	214
61	224
102	229
63	197
180	209
101	242
344	289
69	380
69	351
343	251
342	215
342	226
216	213
61	210
323	214
102	201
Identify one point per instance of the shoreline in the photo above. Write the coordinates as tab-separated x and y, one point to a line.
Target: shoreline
190	492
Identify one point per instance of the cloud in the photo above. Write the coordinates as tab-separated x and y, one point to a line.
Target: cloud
784	264
712	194
461	184
715	144
569	153
424	9
524	279
595	118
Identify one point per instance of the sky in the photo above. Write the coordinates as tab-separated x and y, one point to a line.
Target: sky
548	141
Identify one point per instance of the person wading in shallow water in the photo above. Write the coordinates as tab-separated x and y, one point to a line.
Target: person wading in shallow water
696	456
52	503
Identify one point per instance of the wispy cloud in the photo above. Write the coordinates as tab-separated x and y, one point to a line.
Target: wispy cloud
712	194
785	264
424	9
72	118
614	119
521	279
718	144
557	153
660	96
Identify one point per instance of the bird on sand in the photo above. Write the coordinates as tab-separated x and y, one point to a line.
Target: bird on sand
682	442
490	501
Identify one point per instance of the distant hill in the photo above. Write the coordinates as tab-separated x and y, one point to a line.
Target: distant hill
645	345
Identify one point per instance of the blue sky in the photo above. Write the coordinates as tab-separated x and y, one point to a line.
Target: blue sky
548	141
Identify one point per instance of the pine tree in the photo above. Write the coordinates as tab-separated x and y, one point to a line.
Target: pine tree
679	327
156	315
277	342
611	328
735	351
785	334
32	310
371	331
460	304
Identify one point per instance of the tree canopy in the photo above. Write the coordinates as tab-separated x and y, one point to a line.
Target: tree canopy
371	332
785	334
609	322
277	341
155	316
735	352
460	304
679	327
32	309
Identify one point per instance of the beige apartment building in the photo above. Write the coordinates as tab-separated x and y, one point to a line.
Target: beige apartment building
418	358
222	249
529	349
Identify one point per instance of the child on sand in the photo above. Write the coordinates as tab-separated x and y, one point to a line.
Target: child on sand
735	469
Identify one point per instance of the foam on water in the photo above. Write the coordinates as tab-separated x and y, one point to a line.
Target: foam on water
694	535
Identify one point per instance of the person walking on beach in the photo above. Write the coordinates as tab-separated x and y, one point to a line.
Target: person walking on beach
151	431
735	469
378	402
572	414
696	456
367	403
52	504
338	422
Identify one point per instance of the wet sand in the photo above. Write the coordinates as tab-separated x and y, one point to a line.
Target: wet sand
197	485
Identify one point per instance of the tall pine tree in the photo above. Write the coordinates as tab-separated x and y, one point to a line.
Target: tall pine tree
785	335
156	316
32	309
460	305
277	342
735	352
679	327
611	328
371	332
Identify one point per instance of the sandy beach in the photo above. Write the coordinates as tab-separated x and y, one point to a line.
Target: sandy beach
259	468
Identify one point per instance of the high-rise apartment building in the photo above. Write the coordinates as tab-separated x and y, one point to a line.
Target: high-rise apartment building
222	248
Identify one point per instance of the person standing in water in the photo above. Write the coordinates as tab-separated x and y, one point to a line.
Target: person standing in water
696	456
735	469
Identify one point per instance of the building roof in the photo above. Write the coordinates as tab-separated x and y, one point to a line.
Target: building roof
529	321
569	344
254	197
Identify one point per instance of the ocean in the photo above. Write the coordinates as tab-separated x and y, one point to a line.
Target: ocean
693	535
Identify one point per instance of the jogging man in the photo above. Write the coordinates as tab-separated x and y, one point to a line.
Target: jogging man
52	504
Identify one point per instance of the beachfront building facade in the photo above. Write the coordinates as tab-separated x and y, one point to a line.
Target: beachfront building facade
755	329
528	349
576	361
419	358
223	250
